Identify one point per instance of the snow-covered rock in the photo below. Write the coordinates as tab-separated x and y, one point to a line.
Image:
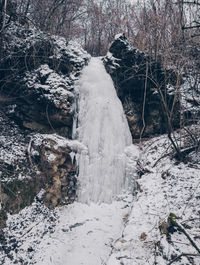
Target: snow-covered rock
42	81
139	80
37	77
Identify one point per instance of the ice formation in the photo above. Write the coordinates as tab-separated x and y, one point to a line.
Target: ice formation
103	128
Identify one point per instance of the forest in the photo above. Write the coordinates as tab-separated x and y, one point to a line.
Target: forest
161	27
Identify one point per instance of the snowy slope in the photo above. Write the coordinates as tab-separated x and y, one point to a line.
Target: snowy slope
124	232
166	187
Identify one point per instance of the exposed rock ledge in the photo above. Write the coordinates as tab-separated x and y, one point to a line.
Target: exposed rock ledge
58	165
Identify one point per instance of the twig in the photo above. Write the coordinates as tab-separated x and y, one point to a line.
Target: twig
182	243
144	102
48	119
6	186
173	222
183	255
193	166
190	220
29	229
163	156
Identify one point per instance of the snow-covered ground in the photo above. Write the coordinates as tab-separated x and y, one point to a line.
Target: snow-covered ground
78	234
167	187
84	234
123	232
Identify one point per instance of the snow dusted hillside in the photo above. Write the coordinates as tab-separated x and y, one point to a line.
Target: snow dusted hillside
132	230
156	223
166	187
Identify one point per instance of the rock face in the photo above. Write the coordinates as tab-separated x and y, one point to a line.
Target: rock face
20	181
34	162
37	102
53	154
141	83
38	73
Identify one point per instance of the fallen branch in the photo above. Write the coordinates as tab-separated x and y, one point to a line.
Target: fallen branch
30	228
172	221
182	255
188	150
183	153
163	156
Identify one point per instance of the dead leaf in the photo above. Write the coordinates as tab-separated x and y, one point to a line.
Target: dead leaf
143	236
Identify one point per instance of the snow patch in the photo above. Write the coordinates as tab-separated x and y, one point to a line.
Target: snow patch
59	141
119	36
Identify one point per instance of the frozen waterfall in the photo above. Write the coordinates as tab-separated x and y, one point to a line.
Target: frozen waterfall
102	127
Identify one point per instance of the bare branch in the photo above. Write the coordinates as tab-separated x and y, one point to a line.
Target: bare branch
183	255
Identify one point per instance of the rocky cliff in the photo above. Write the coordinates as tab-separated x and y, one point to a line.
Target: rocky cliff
38	73
143	87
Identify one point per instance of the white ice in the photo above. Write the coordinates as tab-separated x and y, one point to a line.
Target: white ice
103	128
